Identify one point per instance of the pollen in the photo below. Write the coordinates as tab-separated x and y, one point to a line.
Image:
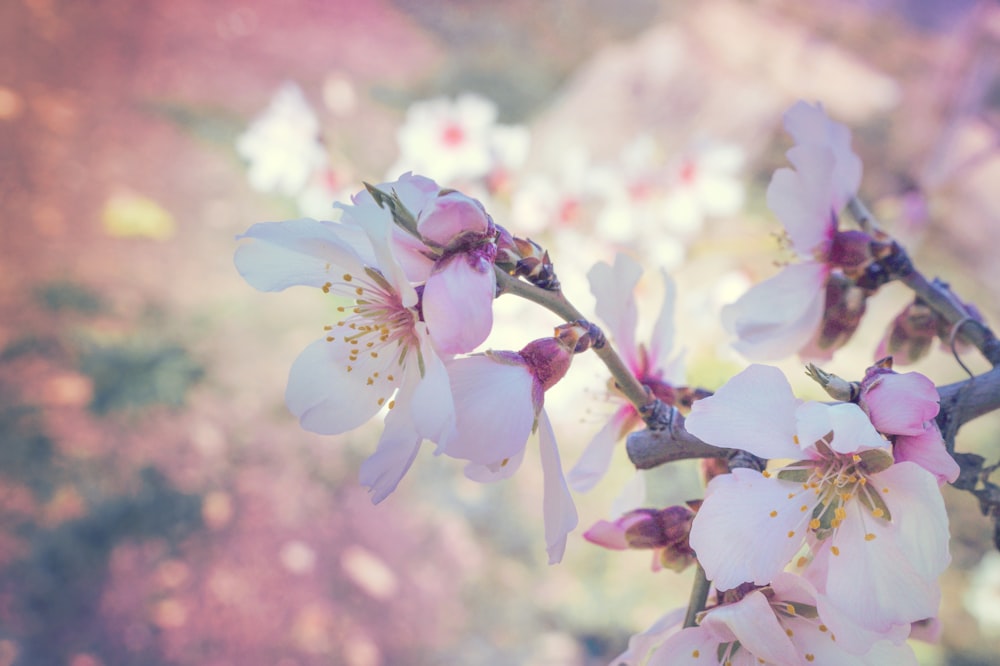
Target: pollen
381	401
791	495
810	657
328	328
766	474
802	561
878	513
789	633
696	654
330	338
856	458
804	507
885	490
790	609
791	533
392	403
822	627
374	354
834	550
773	514
795	438
869	537
390	378
814	524
359	291
326	287
348	277
840	512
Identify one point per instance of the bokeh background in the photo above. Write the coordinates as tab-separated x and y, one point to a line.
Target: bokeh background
158	505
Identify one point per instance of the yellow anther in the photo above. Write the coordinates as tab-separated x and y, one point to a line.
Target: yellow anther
328	328
696	654
810	657
766	474
834	550
326	287
878	513
773	514
381	401
856	458
359	291
791	533
795	438
869	537
822	627
790	609
814	524
392	403
348	277
789	633
804	507
330	338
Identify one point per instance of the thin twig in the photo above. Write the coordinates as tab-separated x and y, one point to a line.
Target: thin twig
699	596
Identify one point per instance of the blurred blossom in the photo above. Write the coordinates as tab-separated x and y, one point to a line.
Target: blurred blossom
571	196
128	215
982	596
704	184
324	187
458	140
282	144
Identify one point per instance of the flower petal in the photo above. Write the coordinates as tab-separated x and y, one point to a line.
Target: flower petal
494	472
688	647
450	215
778	316
754	411
748	528
809	124
596	458
901	404
753	622
297	252
918	512
803	200
432	406
397	448
613	288
662	342
852	431
927	450
328	398
558	509
458	303
640	645
493	407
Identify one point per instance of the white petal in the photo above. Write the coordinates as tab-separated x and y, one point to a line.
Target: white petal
596	458
495	472
397	448
918	512
754	624
613	290
296	252
754	411
852	431
640	645
326	397
778	317
741	532
802	199
692	646
558	508
433	408
493	407
662	342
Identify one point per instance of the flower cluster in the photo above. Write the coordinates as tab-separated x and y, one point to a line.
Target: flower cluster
411	270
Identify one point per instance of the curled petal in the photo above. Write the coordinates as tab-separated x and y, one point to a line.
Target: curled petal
559	511
397	448
458	303
779	316
754	624
927	450
613	289
803	201
596	458
448	216
852	431
754	411
901	404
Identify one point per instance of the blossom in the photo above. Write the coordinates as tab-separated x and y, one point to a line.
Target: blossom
776	624
447	242
613	288
379	349
844	496
282	144
664	531
785	312
499	399
457	140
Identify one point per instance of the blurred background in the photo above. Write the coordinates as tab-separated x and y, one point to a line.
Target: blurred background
158	505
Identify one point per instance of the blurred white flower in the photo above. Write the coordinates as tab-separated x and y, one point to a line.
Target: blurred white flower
282	144
459	140
704	184
982	596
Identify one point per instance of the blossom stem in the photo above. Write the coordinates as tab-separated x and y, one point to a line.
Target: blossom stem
935	293
699	596
555	302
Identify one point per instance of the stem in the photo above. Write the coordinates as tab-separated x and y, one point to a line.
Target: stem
936	294
699	595
555	302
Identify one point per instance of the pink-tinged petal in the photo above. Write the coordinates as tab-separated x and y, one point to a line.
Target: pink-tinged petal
607	535
613	288
458	304
852	431
870	575
828	646
326	397
558	509
493	407
901	404
296	252
802	199
918	513
692	646
641	644
753	622
809	124
927	450
928	631
397	448
778	316
754	411
448	216
432	406
414	191
494	472
662	342
596	458
377	225
748	528
851	635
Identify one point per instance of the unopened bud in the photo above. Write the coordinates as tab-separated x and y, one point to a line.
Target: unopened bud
525	258
580	336
910	334
836	387
549	359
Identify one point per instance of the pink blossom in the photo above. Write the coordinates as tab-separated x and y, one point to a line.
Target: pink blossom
378	355
499	398
784	313
613	288
844	496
